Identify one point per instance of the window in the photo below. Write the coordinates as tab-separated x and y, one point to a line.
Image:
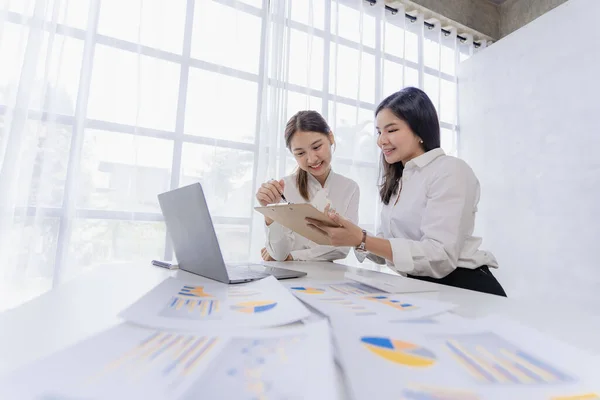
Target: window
120	171
352	74
225	174
74	16
226	36
220	106
310	13
353	128
156	24
158	116
305	47
133	90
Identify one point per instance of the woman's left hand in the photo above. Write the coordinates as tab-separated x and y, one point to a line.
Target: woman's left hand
347	234
267	257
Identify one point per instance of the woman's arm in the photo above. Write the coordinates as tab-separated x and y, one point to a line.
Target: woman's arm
446	221
320	253
360	256
379	246
279	241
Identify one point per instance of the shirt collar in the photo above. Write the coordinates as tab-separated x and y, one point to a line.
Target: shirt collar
425	159
314	180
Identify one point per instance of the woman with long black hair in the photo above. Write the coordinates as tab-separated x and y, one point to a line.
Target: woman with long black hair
429	203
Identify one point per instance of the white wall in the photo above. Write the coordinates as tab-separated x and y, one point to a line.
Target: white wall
530	128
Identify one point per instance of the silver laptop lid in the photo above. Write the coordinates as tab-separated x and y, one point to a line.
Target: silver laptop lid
192	233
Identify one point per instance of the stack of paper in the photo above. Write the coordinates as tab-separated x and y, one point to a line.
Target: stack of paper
468	360
128	362
201	341
175	304
354	301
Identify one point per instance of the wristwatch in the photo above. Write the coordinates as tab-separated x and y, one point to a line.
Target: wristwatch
361	248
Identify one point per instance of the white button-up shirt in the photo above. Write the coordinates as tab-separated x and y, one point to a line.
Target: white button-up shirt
342	192
430	227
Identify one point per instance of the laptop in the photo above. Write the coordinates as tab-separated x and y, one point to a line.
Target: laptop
195	242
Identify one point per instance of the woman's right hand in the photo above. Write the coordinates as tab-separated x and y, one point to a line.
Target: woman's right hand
270	193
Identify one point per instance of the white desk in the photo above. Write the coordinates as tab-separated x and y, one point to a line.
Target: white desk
91	302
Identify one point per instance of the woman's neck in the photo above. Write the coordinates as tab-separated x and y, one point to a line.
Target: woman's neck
420	152
323	178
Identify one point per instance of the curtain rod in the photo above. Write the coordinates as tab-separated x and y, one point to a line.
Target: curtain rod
427	24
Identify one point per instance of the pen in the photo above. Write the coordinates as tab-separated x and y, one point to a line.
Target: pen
282	196
163	264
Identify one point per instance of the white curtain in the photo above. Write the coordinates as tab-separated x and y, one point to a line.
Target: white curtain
106	103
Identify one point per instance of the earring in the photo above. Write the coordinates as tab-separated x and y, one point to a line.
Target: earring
421	141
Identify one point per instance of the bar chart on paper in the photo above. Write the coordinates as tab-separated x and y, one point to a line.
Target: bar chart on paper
129	362
193	291
342	288
388	301
190	308
490	359
160	361
389	307
176	304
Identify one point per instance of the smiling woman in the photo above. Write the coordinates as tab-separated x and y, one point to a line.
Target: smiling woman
429	203
309	138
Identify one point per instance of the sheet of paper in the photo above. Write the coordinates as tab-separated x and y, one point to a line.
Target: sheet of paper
129	362
342	287
488	359
177	304
354	300
393	283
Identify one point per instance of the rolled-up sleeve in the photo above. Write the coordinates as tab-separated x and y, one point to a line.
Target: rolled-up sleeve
320	253
279	241
351	212
452	196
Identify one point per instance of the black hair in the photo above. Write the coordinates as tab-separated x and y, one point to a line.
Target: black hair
305	121
413	106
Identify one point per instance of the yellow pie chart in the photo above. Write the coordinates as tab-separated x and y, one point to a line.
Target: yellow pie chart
399	352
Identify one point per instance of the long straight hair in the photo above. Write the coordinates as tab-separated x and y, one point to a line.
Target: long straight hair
304	121
415	108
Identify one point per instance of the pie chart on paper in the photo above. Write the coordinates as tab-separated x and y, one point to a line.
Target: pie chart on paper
399	352
251	307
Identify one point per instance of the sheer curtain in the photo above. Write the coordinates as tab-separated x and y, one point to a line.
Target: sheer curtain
104	104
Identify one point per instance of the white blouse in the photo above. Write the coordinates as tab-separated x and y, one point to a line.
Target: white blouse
430	228
342	192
